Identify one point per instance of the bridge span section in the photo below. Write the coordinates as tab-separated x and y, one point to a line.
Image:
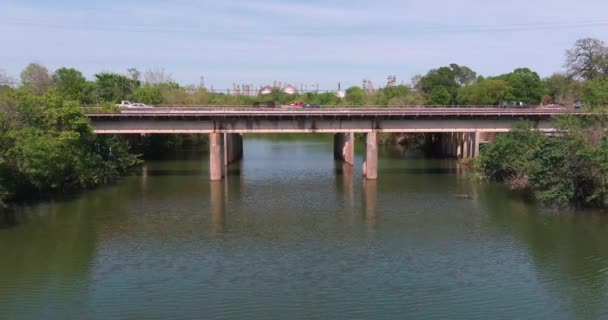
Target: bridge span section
331	120
455	132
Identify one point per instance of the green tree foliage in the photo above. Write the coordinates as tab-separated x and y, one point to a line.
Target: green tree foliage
439	96
441	85
48	146
463	74
526	85
396	95
149	94
113	87
562	89
596	93
485	92
355	96
509	156
326	98
568	169
71	84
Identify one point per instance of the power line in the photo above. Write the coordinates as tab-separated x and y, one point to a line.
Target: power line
431	28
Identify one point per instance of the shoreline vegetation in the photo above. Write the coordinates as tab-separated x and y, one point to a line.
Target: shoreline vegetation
567	169
47	145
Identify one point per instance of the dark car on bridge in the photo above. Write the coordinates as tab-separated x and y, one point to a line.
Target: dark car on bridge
309	105
270	104
513	104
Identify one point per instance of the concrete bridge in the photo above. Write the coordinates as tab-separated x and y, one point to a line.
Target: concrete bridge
456	131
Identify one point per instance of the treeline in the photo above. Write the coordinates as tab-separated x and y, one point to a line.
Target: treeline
585	80
47	146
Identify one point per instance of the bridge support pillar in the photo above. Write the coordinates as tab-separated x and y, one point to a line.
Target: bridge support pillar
370	161
454	144
233	148
344	147
459	145
215	156
476	139
466	146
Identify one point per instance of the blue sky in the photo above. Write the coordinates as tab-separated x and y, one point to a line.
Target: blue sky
324	42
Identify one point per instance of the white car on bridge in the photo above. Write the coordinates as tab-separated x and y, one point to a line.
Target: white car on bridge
129	105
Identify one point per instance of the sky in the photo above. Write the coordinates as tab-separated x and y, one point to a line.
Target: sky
300	42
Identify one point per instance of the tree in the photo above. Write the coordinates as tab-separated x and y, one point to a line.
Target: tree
563	89
526	85
70	83
485	92
157	76
509	157
49	146
149	94
588	59
439	96
112	87
355	96
134	74
596	93
385	95
463	74
445	79
36	77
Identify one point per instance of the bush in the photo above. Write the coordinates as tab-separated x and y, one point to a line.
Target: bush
51	147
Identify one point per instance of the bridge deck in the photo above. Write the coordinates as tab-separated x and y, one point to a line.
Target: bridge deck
332	112
328	120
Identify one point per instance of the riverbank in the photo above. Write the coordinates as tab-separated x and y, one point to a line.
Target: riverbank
569	169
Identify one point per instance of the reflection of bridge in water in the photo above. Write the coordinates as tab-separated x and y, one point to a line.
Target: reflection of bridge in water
455	132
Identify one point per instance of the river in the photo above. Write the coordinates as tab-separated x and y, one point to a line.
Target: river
291	234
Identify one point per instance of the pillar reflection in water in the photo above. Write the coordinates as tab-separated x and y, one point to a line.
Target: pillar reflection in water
348	185
217	205
370	190
144	177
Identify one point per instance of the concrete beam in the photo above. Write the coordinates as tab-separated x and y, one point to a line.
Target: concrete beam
307	125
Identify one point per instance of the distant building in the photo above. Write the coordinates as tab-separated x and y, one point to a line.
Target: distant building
340	94
290	89
265	90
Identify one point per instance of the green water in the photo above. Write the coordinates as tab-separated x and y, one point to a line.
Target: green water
290	234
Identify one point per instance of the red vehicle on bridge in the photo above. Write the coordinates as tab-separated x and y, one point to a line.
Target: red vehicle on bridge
297	104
